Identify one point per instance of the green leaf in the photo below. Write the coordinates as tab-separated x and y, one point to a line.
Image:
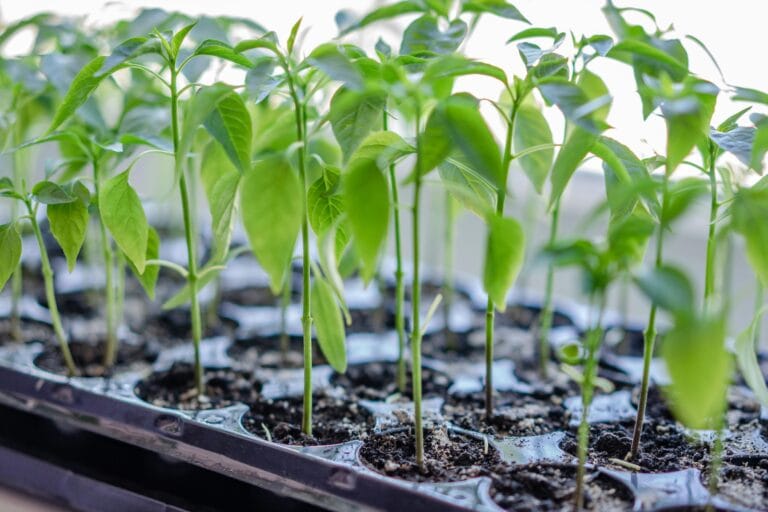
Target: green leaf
751	95
221	182
383	148
454	65
628	236
325	206
682	194
748	214
687	116
746	358
292	36
700	368
424	37
578	104
503	258
738	141
222	50
626	177
180	36
760	146
82	86
500	8
123	215
353	115
48	192
467	186
148	279
271	202
457	123
531	130
528	33
69	225
229	122
570	156
329	324
668	288
333	60
366	199
10	252
383	13
626	50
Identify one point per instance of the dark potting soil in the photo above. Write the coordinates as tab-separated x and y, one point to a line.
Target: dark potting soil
266	352
251	296
89	358
376	381
370	320
536	487
334	420
447	456
84	304
528	317
175	388
173	326
30	330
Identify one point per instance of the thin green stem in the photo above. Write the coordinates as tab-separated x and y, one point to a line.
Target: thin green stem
501	195
285	301
402	377
17	277
716	461
547	310
110	354
50	294
649	336
448	237
189	236
759	300
709	277
587	393
416	301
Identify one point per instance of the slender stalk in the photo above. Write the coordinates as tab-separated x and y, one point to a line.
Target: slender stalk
110	354
50	293
399	284
709	276
649	336
16	278
587	393
501	195
547	310
189	236
416	301
716	461
448	236
285	301
759	299
119	288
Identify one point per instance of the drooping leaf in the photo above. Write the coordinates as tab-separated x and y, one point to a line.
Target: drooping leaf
229	122
454	65
82	86
699	366
570	156
687	116
123	214
384	12
48	192
221	181
531	130
148	279
69	225
575	103
424	37
325	206
272	209
503	258
628	236
738	141
354	115
669	288
333	60
328	324
500	8
10	252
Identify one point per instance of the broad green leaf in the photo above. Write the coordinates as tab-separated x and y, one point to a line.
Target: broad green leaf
531	130
628	236
503	258
325	206
576	103
10	252
82	86
229	122
746	358
383	148
748	214
626	177
596	90
260	81
570	156
329	324
700	367
221	181
467	186
384	12
457	120
424	37
271	205
500	8
668	288
126	51
626	50
148	279
123	214
331	59
738	141
48	192
528	33
353	115
366	199
454	65
222	50
178	38
69	225
687	116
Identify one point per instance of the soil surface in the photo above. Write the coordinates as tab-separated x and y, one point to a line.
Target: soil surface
30	331
266	352
89	358
376	381
334	420
175	388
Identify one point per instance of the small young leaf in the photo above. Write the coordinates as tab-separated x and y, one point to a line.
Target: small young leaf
229	122
328	324
148	279
700	367
123	215
221	181
531	130
10	252
272	209
292	36
353	115
503	258
69	225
